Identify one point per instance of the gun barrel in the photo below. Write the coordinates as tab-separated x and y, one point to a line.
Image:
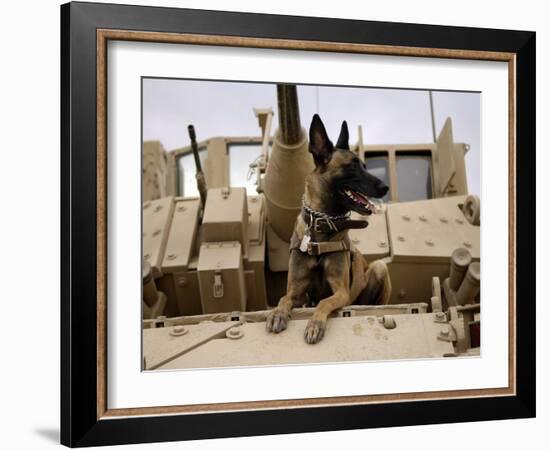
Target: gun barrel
199	174
288	165
290	128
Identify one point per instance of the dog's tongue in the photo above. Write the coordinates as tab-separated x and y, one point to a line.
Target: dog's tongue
358	198
361	199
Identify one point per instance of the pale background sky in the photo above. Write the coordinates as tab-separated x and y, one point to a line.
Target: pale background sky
388	116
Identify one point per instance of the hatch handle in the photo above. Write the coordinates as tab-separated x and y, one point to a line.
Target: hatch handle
218	284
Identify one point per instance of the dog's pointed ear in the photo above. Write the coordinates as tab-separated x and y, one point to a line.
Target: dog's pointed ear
320	145
343	139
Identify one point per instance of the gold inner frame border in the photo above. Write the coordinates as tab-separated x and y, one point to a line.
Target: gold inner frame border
104	35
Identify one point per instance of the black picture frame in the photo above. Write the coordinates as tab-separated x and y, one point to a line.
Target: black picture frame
81	423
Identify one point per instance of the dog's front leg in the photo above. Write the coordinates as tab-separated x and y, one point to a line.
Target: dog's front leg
336	269
299	270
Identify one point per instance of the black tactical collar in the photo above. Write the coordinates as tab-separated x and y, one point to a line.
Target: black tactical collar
320	222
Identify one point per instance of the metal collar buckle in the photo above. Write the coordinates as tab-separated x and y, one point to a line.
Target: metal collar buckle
318	221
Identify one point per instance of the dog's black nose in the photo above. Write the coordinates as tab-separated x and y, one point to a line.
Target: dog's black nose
383	189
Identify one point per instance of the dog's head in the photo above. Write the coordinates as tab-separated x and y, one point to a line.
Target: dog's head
345	176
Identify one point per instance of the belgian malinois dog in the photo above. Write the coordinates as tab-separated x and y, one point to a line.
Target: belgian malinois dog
320	250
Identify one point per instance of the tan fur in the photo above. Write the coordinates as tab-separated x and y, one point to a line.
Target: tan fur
365	279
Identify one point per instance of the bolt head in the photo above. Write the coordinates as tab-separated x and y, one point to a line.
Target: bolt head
171	257
401	238
234	333
178	330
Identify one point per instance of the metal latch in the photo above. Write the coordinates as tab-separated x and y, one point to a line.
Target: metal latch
218	284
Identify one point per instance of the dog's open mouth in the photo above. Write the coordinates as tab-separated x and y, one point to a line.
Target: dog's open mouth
361	200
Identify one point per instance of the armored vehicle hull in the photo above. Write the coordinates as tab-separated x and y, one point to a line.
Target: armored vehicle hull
215	263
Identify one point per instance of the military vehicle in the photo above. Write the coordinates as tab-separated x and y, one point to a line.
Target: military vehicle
216	250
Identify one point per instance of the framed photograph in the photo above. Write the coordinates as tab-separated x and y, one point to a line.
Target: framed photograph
278	224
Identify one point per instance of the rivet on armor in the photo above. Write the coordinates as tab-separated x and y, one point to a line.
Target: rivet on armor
234	333
382	244
178	330
401	238
467	244
444	220
423	218
406	218
388	322
429	243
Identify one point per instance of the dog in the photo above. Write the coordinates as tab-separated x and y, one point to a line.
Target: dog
320	250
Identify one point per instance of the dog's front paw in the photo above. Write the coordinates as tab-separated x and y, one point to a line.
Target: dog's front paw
315	330
277	321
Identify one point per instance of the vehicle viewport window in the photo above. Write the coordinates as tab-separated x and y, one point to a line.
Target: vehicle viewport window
240	158
187	184
414	177
378	166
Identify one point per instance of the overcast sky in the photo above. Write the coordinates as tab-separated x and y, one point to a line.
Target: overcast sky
388	116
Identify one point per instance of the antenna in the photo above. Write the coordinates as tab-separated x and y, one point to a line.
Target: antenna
432	115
